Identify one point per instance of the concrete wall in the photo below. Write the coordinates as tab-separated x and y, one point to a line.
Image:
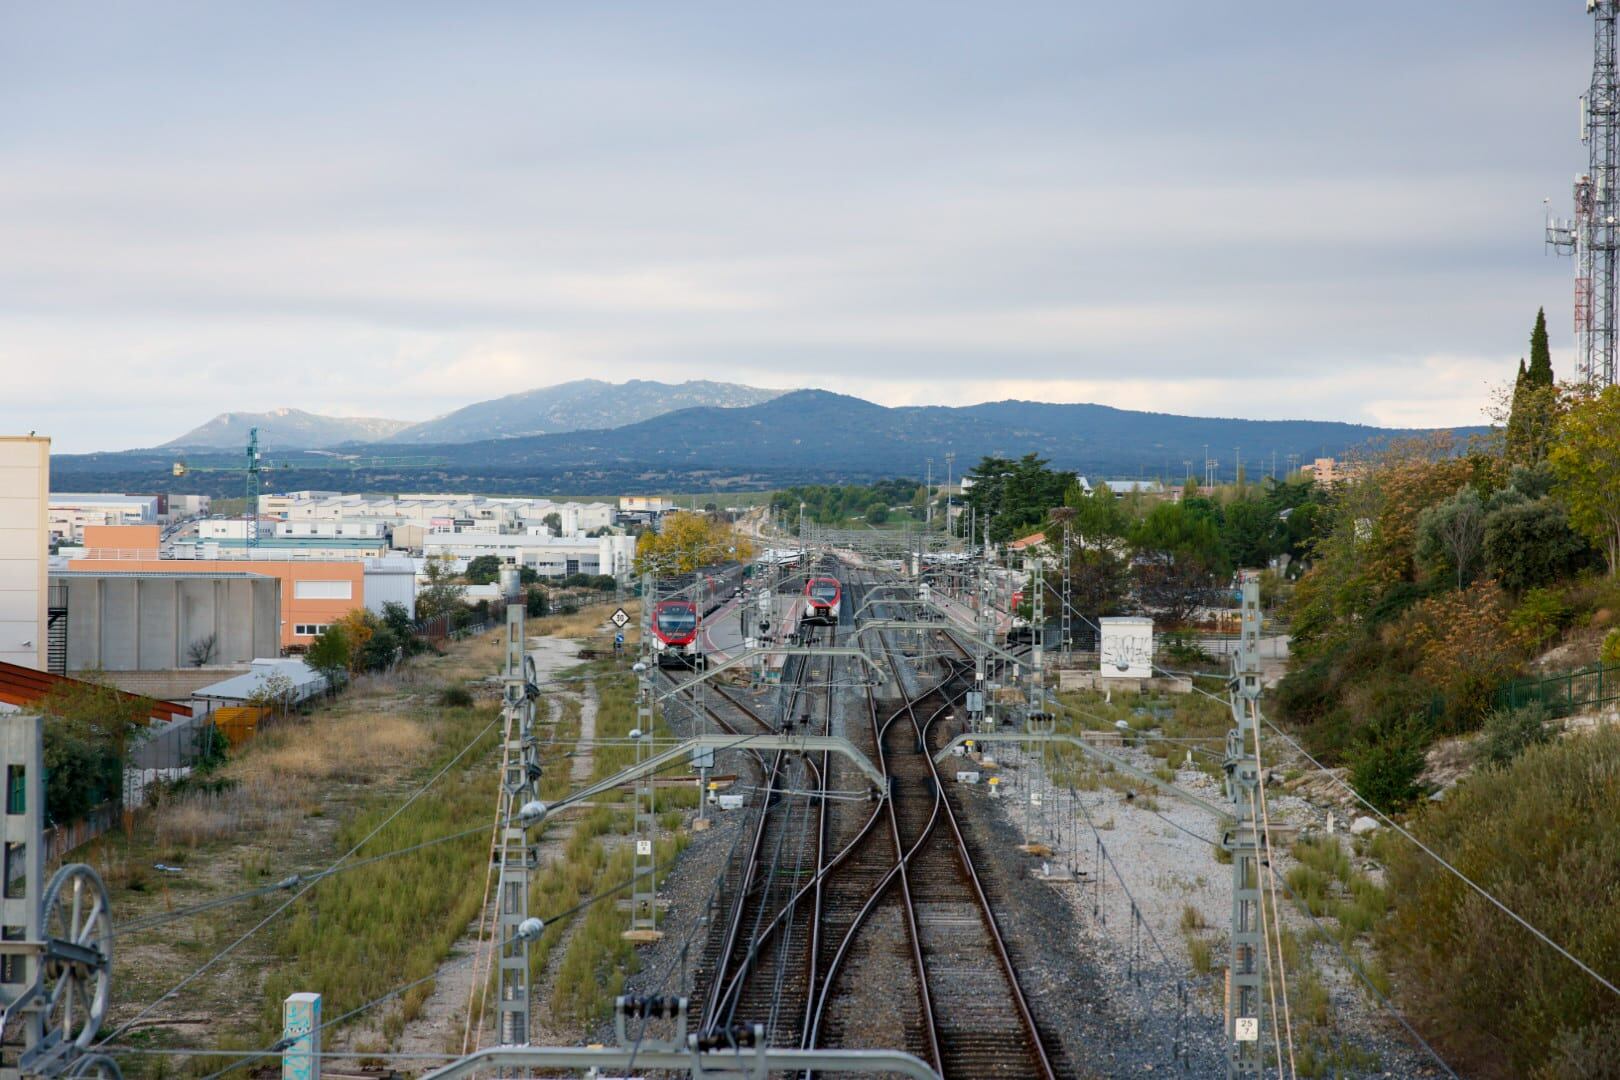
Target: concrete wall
148	623
25	470
175	685
294	612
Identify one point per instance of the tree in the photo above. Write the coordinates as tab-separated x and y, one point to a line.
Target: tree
1540	373
1013	497
87	725
877	515
330	655
686	541
553	521
398	622
1534	407
1451	535
1586	459
483	570
274	693
1531	544
443	593
201	652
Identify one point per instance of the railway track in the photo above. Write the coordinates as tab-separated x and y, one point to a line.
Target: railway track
873	927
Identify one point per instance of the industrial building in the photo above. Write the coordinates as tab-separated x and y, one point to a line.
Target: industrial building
25	471
549	556
158	632
71	512
313	593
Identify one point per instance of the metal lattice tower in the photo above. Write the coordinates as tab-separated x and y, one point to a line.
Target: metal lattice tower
520	772
1246	969
644	888
1593	235
251	533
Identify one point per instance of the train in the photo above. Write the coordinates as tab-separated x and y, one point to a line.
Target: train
675	634
822	596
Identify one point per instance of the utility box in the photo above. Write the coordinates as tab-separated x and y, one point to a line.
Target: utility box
731	802
1126	648
967	776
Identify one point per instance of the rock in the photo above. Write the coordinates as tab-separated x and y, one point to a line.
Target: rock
1362	826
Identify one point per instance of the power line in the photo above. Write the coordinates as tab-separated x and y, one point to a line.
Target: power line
262	923
1332	939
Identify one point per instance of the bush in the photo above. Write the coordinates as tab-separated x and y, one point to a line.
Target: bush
1510	732
456	697
1540	616
1610	652
1540	836
1384	770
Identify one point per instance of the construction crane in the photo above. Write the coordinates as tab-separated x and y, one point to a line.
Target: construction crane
1593	235
253	467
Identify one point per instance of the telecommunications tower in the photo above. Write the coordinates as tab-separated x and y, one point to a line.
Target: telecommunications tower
1593	236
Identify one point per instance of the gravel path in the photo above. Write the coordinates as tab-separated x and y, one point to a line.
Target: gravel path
439	1027
1139	868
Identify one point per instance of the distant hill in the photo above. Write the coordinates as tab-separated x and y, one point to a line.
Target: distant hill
575	406
287	429
817	432
807	436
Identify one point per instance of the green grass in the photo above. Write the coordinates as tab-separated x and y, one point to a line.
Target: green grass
358	935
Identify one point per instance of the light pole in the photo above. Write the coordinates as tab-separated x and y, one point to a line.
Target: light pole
950	460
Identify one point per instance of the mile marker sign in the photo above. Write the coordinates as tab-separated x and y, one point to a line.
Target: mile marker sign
619	618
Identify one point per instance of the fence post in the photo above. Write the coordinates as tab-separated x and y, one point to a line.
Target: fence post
301	1035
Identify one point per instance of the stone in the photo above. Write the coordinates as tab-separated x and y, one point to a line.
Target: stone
1362	826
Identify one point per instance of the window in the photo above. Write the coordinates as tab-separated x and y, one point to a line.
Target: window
323	590
309	629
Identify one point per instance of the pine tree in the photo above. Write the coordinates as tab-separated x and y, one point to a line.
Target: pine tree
1541	372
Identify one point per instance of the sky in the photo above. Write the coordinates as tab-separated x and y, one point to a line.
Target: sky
1252	209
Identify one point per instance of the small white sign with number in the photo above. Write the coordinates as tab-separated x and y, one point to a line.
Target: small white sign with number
1246	1029
619	618
643	847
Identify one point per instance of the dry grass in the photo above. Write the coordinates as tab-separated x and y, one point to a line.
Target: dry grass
590	625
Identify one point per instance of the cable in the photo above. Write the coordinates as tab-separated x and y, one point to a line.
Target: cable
1271	876
221	954
1343	952
1464	878
282	1044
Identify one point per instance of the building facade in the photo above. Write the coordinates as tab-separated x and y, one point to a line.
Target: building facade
25	480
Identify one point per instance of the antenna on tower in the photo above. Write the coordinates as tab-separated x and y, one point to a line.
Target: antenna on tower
1592	236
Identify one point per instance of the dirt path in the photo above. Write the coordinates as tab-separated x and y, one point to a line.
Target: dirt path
439	1027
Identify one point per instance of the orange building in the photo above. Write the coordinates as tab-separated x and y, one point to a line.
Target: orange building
313	594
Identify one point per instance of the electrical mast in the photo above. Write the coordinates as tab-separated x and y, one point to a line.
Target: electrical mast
251	533
520	810
1593	235
1246	968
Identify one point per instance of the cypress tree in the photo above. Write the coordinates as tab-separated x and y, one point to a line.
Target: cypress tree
1540	372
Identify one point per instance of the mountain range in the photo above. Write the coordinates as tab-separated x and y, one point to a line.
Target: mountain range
804	436
569	406
287	428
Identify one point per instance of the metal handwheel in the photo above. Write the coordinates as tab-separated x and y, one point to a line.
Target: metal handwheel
76	970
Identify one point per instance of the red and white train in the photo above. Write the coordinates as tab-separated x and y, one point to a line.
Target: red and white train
675	634
822	596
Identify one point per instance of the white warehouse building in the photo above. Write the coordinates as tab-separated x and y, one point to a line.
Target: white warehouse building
548	556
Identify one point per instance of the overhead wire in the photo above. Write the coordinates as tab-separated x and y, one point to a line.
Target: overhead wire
262	923
1484	893
1333	939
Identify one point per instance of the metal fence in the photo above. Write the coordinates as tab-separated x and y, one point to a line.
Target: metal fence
1584	688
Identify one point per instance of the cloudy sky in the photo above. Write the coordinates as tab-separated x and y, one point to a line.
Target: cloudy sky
1257	209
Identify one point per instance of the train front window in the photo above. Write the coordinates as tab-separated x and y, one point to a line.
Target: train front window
827	593
677	621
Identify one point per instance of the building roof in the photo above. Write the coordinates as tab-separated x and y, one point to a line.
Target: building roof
24	686
306	682
178	574
296	543
1027	541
